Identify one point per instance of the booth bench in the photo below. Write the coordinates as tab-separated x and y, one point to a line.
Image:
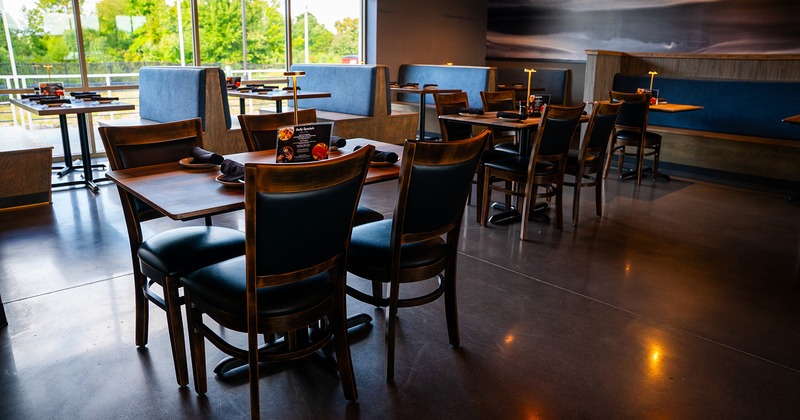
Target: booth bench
470	79
360	103
747	112
172	93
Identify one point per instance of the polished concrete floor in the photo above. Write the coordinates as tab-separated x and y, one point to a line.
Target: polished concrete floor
682	302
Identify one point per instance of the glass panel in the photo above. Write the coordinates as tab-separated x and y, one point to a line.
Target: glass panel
39	45
325	31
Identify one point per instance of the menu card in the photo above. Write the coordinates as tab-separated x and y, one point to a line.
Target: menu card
51	88
233	82
653	94
303	143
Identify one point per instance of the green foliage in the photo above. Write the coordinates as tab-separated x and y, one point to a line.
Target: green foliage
146	31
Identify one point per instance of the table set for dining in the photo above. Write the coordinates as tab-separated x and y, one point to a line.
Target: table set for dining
183	193
79	108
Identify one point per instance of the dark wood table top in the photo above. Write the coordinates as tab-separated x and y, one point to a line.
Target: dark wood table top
490	119
71	108
422	91
182	194
674	108
278	95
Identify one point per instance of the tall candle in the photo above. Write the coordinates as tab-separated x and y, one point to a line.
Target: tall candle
652	75
530	72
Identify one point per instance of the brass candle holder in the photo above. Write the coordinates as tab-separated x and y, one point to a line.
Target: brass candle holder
48	67
652	75
294	75
528	96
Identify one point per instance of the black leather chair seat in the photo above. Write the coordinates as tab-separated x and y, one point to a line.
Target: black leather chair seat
369	246
630	135
507	147
184	249
366	215
222	285
520	165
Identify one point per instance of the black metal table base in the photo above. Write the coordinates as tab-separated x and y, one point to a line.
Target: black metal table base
511	216
631	174
355	324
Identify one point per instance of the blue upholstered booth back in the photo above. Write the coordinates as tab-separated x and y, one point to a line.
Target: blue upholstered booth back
469	79
352	87
176	93
751	108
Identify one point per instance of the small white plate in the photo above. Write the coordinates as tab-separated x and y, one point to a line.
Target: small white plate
467	114
187	163
511	119
236	184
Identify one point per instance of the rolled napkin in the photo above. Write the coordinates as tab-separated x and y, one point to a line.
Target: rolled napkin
475	111
201	155
337	141
511	115
380	157
232	171
289	88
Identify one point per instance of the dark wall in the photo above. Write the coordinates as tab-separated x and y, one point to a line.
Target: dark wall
564	29
427	32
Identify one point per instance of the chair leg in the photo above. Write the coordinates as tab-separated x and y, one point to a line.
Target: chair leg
525	212
486	196
194	320
598	196
479	195
175	328
576	198
391	327
252	360
451	304
377	290
656	158
343	359
640	163
559	206
609	158
142	307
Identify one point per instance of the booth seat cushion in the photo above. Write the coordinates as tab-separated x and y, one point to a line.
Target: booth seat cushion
470	79
742	107
352	87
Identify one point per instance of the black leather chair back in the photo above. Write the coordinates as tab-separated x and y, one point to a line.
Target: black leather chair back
634	110
601	131
436	193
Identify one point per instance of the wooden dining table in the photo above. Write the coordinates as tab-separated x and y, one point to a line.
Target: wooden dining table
181	193
278	95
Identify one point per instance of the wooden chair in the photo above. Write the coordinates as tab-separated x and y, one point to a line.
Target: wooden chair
586	163
162	258
448	104
503	140
292	277
544	168
631	131
435	181
260	131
